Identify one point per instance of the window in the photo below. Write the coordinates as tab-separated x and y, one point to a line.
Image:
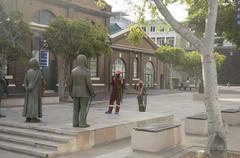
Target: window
135	68
152	29
144	28
43	17
153	39
119	65
162	30
92	64
170	41
160	41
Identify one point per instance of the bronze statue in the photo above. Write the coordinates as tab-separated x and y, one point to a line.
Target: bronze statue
32	103
2	85
81	90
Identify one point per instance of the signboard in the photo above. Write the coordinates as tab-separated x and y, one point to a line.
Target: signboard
44	59
238	12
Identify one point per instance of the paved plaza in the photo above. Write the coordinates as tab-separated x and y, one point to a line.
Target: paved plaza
160	102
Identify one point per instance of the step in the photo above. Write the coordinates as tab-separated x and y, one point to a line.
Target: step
38	143
35	134
39	128
26	149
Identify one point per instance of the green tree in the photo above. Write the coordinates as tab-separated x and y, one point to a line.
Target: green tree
192	64
226	26
204	44
172	56
71	37
14	34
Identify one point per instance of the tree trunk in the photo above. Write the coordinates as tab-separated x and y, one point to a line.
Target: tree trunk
170	76
62	80
216	134
217	142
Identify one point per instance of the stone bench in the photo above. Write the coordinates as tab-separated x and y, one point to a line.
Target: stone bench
197	125
156	137
231	116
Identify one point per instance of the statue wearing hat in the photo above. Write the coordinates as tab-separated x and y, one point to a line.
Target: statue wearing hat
81	90
32	103
116	93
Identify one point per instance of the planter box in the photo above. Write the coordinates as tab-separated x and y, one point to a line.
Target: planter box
197	125
156	137
231	116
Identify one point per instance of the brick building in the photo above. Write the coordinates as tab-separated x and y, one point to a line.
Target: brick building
136	62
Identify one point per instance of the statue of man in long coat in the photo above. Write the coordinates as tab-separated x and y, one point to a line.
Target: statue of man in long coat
32	103
81	90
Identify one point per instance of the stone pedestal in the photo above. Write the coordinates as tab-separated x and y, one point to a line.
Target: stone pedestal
198	96
156	137
231	116
196	125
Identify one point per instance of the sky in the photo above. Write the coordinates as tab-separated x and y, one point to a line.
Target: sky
177	10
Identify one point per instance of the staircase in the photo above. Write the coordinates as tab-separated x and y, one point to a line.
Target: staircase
35	141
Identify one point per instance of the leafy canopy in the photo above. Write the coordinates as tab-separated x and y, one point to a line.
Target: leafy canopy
71	37
14	34
170	55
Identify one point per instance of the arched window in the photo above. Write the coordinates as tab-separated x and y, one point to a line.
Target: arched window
135	67
43	17
119	65
148	74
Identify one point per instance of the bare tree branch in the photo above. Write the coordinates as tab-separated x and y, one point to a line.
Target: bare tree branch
185	33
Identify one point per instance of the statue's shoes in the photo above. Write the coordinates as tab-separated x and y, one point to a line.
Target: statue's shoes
108	112
2	116
84	126
35	120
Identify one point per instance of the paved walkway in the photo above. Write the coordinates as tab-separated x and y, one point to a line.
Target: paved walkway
179	104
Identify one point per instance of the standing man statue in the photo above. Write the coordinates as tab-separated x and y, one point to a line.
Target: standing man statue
2	86
81	90
32	103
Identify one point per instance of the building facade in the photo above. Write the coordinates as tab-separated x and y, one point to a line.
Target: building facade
39	13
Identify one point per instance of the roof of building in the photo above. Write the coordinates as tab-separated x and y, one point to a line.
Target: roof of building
114	28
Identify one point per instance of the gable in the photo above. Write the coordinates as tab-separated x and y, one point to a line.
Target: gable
120	38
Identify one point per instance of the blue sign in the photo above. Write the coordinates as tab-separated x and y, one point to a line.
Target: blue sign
44	59
238	12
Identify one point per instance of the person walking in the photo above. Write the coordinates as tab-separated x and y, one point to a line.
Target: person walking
116	93
81	90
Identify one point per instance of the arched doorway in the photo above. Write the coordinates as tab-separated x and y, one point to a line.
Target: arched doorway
119	64
148	75
39	48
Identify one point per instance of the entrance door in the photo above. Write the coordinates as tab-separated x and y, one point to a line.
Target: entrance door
148	75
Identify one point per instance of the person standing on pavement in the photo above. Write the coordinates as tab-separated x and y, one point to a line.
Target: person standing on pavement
141	97
116	93
81	90
32	102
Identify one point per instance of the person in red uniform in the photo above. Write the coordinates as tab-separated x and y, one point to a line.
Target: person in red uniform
116	93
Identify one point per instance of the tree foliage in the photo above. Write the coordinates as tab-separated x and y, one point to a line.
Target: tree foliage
170	55
70	37
14	34
226	19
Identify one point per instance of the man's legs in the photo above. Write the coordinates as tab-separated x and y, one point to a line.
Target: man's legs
1	94
76	109
84	101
